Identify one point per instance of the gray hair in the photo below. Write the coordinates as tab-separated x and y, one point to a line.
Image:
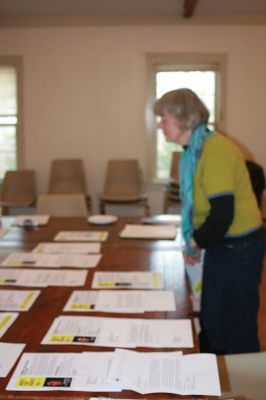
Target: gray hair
185	105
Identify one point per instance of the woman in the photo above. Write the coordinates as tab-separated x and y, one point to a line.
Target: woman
219	214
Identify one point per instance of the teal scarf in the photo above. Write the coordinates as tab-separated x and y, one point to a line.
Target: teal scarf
187	168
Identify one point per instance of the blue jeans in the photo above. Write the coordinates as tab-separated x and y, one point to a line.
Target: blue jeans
230	296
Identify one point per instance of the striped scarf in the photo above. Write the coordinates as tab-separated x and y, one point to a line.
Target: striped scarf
187	168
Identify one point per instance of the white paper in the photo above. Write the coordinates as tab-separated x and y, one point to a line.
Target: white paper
81	236
67	248
9	354
35	220
169	372
120	332
17	300
51	260
41	277
127	280
6	320
136	231
63	371
122	301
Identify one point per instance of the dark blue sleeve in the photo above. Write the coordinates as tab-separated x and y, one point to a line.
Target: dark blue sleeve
217	223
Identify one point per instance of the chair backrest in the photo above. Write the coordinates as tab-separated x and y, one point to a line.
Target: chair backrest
19	188
123	177
174	172
62	205
67	176
257	178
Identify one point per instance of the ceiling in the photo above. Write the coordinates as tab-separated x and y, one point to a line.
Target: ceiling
11	10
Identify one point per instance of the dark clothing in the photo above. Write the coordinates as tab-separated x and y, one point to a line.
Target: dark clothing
230	298
217	223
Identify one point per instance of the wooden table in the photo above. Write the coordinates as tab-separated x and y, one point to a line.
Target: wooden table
118	255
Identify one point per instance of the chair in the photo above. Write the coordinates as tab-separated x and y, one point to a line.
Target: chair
242	376
123	185
68	176
257	177
18	190
62	205
172	195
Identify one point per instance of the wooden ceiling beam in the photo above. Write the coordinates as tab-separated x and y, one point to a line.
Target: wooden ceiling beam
189	7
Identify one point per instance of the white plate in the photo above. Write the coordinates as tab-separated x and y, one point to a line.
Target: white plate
102	219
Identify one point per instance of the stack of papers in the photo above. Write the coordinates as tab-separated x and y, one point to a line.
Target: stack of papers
171	372
81	236
41	278
122	301
120	332
51	260
31	220
136	231
9	355
67	248
128	280
6	320
17	300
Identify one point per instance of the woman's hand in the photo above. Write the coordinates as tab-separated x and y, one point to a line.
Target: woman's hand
189	259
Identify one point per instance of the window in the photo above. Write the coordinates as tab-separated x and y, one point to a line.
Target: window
202	74
9	119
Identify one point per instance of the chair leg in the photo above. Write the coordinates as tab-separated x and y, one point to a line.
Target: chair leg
102	206
165	205
147	208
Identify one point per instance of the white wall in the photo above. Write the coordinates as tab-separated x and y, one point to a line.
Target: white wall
84	89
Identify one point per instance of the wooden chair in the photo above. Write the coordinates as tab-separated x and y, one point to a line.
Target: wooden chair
123	185
62	205
67	176
242	376
18	190
172	195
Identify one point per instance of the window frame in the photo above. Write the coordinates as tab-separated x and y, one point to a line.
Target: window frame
180	61
17	63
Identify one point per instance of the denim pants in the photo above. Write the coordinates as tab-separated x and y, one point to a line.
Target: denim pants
230	296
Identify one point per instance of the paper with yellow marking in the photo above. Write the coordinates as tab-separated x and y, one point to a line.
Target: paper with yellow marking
41	277
81	236
127	280
17	300
6	320
51	260
86	371
120	332
67	248
121	301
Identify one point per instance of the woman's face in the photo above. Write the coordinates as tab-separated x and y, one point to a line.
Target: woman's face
172	129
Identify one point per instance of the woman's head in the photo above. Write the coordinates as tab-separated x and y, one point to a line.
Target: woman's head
185	106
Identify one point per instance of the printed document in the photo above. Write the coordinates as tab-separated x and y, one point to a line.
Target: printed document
41	277
127	280
81	236
6	320
169	372
9	354
120	332
63	371
122	301
51	260
67	248
135	231
17	300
